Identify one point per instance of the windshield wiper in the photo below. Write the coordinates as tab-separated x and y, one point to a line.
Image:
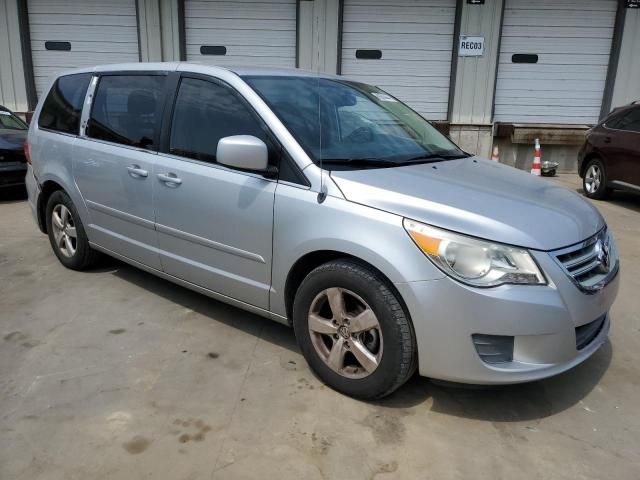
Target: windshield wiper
434	157
360	162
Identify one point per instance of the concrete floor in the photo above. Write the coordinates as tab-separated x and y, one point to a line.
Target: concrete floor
117	374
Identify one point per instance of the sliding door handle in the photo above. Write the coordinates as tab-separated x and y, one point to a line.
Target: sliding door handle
137	172
169	179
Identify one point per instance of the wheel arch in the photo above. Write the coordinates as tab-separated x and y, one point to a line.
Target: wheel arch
587	159
311	260
47	189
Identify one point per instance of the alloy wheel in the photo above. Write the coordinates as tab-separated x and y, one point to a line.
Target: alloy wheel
345	333
593	179
64	230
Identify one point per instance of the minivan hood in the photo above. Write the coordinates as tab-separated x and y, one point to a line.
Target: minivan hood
477	197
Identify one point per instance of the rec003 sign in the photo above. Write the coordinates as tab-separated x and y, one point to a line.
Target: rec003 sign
471	46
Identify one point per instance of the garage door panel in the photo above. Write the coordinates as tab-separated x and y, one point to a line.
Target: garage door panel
386	81
248	51
241	10
561	59
115	7
86	33
69	19
551	45
556	32
415	40
198	38
573	43
98	33
367	67
577	6
403	55
398	41
87	58
88	46
254	33
406	28
570	99
242	24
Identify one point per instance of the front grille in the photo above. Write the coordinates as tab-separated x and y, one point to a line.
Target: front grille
585	334
494	349
592	263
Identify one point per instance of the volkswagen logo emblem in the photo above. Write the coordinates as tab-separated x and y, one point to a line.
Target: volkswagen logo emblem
603	254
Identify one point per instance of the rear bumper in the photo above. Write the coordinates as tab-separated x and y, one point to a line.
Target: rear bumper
541	319
12	174
33	196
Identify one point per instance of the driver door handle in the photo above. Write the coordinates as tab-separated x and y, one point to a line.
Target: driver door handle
169	179
135	171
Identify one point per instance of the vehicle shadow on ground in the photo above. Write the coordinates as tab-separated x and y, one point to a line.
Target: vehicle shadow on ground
496	403
507	403
630	200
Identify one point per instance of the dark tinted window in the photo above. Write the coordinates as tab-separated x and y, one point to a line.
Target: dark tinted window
62	108
204	113
126	109
628	120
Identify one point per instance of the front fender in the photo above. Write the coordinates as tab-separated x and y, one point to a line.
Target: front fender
303	226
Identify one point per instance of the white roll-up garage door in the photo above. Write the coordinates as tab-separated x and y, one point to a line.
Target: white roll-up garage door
258	33
413	40
553	60
78	33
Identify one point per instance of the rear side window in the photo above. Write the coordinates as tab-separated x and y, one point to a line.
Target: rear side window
126	110
204	113
63	106
628	121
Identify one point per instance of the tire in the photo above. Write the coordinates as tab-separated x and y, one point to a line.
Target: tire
594	180
73	252
387	336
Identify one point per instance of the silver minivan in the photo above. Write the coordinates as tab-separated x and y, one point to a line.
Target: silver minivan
328	205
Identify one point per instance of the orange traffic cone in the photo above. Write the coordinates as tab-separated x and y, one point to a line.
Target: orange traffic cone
495	155
536	166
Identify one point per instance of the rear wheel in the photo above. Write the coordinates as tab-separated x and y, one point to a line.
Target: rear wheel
66	233
594	182
353	330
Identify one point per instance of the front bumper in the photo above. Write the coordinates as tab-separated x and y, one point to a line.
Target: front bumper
542	320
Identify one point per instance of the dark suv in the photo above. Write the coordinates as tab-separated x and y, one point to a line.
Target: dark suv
610	156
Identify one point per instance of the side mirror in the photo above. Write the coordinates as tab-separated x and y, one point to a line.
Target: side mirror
243	151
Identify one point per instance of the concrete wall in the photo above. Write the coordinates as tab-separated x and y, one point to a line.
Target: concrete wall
318	27
13	93
627	84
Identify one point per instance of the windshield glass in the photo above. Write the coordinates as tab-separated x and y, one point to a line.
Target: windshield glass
10	121
342	121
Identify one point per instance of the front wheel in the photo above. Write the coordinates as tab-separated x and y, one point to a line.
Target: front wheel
594	182
353	330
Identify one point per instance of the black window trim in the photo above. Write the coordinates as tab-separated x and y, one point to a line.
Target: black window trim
130	73
173	85
58	132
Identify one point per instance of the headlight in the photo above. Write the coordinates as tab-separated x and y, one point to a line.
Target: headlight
475	262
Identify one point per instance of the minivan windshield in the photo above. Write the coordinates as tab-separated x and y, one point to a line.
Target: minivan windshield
350	124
